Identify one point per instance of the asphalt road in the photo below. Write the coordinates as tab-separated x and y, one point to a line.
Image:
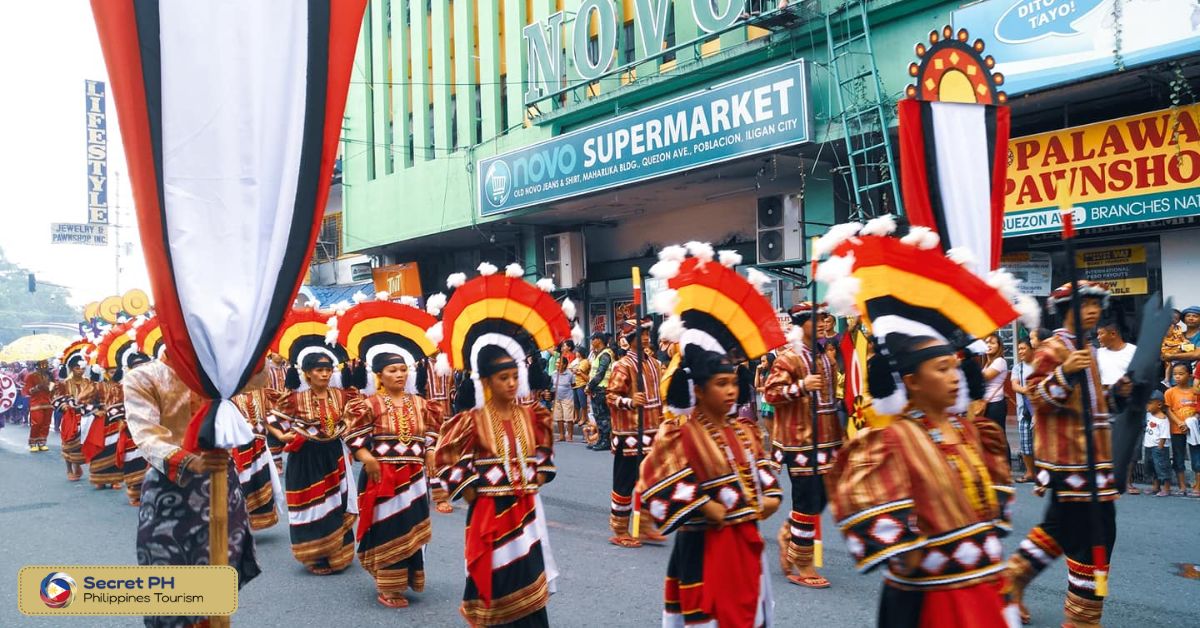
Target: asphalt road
46	520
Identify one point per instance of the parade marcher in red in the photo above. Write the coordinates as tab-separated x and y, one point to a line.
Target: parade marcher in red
37	386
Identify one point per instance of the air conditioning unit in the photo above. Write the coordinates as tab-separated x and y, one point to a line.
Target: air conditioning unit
564	258
778	225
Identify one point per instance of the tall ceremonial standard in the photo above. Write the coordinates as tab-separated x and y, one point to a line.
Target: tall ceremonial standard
230	115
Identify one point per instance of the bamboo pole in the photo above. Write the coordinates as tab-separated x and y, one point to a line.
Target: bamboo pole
218	528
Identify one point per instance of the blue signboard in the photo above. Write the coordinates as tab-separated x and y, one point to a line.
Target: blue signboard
1041	43
748	115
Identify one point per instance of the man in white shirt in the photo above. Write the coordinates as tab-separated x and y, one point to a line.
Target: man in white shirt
1114	354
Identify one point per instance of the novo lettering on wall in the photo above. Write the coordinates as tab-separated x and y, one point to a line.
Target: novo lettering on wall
97	151
1134	169
1122	269
545	53
752	114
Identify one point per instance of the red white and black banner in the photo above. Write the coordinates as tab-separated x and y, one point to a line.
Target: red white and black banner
953	159
230	113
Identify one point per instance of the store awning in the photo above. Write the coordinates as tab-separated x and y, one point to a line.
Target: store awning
328	295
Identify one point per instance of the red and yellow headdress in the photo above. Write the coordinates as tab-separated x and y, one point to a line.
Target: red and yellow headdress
305	331
79	349
150	337
504	311
116	346
371	328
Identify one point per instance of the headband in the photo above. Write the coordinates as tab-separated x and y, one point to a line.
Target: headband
316	361
384	360
492	367
910	361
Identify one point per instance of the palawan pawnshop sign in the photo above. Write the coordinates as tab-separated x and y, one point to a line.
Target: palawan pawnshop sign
752	114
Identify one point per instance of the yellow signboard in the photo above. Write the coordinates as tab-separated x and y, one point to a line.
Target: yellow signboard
127	590
1122	269
1132	169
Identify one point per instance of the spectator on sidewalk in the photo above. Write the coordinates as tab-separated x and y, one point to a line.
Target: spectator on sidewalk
1021	371
1183	346
1181	405
995	372
564	402
1114	355
1156	442
1193	442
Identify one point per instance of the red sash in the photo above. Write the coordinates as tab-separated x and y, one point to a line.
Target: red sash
732	572
296	444
390	476
93	441
484	530
124	444
69	427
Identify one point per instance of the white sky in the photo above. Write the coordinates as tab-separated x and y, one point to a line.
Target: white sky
47	49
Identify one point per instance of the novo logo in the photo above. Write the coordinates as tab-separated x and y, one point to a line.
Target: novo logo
546	164
57	590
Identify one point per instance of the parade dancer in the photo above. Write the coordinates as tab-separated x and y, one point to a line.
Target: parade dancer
497	454
256	469
1080	518
627	399
102	430
793	387
74	396
928	494
708	478
438	390
37	387
392	432
321	505
158	408
132	463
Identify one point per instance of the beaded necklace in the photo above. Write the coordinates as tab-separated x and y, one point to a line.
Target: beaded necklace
746	478
963	460
399	421
514	461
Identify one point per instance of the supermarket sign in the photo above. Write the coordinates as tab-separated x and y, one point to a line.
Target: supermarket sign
1134	169
748	115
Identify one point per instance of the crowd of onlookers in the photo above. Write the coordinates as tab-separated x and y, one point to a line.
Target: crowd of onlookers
18	413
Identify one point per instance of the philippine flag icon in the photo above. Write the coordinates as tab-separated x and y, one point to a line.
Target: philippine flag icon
58	590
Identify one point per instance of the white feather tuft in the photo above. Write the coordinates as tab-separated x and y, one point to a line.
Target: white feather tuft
441	365
331	337
435	333
332	322
702	251
673	253
1005	282
671	329
435	303
963	257
139	321
758	279
577	335
842	296
728	258
121	320
568	307
895	403
795	338
456	280
922	237
514	270
360	297
881	226
97	370
409	301
341	308
665	269
545	284
1027	307
664	302
836	235
835	268
131	334
487	268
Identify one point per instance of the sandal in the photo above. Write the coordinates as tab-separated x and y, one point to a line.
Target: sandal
136	503
319	571
394	602
1133	490
625	541
650	537
812	582
444	507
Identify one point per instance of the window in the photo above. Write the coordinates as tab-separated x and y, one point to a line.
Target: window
669	39
329	240
628	47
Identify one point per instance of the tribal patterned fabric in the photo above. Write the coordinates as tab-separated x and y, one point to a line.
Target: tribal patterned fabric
792	434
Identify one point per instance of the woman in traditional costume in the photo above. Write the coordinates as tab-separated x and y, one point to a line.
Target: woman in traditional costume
929	494
498	453
321	504
708	479
75	396
118	458
257	473
392	433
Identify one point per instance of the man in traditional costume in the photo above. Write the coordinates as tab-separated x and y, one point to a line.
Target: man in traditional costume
498	453
797	382
627	398
37	387
926	495
1061	462
173	522
708	478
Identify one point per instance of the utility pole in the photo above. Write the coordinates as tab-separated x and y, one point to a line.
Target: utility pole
117	231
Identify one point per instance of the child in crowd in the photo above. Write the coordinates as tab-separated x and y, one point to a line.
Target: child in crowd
1181	402
1158	434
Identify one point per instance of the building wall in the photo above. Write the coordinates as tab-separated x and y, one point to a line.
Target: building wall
1180	250
400	189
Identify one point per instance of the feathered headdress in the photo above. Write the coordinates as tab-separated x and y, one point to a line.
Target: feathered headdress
306	331
117	346
1086	289
498	310
79	349
150	337
711	306
902	283
374	327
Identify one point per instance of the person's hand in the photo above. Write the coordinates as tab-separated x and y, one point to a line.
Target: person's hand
1078	360
371	467
1123	387
639	399
770	505
287	437
208	461
469	494
714	512
814	382
543	478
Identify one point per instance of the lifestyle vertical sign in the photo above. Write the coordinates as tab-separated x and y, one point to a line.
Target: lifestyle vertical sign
97	152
